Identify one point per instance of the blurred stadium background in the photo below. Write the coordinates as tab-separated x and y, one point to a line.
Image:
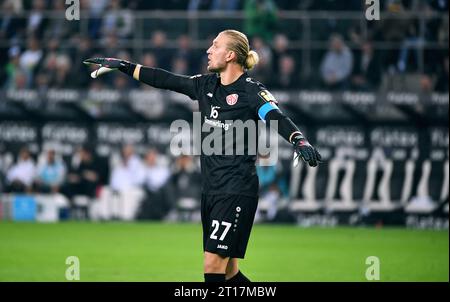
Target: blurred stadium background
371	95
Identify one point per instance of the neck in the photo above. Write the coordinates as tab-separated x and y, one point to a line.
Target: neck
231	74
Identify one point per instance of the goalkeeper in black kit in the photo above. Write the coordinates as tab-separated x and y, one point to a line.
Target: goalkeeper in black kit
230	183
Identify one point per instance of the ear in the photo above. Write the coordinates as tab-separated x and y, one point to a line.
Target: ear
231	55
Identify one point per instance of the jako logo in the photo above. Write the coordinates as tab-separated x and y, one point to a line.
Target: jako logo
373	11
73	11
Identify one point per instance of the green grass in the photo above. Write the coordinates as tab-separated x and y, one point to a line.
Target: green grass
173	252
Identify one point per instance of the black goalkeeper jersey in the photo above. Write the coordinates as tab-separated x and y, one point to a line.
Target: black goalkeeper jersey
220	106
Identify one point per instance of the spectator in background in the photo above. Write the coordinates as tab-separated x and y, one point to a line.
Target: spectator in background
337	64
179	65
367	69
286	77
395	27
263	70
6	160
279	49
21	175
50	174
129	172
12	68
110	44
159	49
80	75
123	197
118	21
156	203
11	26
30	59
56	65
149	59
96	9
442	77
185	181
185	51
269	190
59	28
83	176
260	18
20	81
156	173
37	22
267	177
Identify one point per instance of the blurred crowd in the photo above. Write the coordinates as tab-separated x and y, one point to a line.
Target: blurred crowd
125	185
40	52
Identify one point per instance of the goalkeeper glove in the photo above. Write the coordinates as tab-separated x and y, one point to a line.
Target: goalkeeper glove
305	151
110	64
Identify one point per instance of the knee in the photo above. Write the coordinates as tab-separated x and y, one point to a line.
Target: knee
214	263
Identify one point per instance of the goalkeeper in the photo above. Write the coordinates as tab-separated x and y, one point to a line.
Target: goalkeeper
230	183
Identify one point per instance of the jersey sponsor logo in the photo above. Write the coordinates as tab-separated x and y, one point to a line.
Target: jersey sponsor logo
232	99
214	112
209	94
267	96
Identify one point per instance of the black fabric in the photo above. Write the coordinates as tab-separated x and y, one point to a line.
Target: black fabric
160	78
227	223
239	278
285	125
214	277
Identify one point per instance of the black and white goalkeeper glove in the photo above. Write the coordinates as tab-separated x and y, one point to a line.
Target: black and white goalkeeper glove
109	64
304	150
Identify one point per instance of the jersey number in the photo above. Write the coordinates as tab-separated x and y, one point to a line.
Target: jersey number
215	225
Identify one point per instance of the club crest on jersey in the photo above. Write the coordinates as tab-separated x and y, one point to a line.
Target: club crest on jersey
267	96
232	99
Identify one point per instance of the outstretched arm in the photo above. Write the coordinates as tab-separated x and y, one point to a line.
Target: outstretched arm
290	132
268	110
156	77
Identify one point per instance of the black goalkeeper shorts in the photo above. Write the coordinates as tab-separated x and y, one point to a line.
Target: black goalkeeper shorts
227	221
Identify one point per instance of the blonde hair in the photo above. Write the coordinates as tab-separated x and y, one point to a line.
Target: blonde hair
240	45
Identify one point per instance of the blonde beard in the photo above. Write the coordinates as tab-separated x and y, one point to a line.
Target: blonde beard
217	69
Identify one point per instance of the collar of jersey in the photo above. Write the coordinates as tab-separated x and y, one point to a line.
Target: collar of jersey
244	75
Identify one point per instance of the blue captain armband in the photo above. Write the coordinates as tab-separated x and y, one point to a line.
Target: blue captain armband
266	108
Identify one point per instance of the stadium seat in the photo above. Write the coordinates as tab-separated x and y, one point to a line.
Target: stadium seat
186	207
432	186
339	192
377	194
306	189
